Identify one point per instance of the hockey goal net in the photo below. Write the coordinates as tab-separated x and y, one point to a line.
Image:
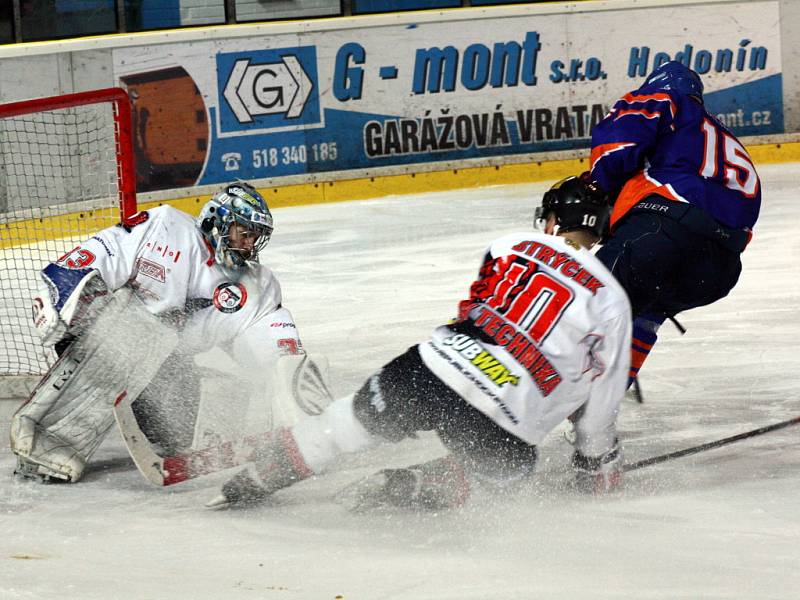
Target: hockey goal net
66	171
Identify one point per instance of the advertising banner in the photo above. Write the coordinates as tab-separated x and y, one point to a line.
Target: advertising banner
452	87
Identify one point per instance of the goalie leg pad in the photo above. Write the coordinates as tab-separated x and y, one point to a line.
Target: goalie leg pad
336	431
52	459
28	469
70	411
60	427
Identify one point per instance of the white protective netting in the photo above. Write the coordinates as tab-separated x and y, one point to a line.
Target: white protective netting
58	185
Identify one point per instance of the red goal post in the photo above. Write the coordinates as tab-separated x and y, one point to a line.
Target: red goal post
67	170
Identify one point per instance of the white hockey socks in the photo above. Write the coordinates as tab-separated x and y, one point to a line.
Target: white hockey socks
336	431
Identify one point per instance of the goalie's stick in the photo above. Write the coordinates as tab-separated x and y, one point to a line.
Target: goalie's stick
309	394
169	470
654	460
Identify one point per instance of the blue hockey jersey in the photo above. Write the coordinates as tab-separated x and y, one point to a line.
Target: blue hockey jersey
666	143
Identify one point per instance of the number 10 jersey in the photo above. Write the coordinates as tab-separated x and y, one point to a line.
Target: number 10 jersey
546	331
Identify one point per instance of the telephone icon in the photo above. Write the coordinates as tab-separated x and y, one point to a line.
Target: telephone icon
231	160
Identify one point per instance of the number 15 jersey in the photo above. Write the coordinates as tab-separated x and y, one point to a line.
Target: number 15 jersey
666	143
546	331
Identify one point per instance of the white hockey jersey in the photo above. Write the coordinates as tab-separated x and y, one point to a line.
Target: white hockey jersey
166	260
546	331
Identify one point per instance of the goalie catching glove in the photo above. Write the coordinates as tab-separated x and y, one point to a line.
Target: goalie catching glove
598	474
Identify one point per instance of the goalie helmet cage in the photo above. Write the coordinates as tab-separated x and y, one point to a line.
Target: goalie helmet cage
66	171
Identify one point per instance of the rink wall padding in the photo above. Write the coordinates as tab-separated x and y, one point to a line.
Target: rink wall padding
365	188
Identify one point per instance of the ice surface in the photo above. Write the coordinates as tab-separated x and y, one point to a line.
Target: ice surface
365	280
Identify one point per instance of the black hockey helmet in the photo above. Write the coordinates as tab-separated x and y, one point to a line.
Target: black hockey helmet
577	203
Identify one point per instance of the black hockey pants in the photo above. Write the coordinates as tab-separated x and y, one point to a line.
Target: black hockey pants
405	397
671	257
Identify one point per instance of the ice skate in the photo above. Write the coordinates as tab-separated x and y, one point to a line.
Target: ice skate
277	465
29	469
434	485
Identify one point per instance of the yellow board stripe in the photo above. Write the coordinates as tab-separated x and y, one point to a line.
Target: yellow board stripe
415	183
79	224
775	153
21	232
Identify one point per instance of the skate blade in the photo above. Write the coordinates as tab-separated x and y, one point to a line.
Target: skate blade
218	503
32	471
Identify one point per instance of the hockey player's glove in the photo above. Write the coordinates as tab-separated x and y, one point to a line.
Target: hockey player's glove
612	195
598	474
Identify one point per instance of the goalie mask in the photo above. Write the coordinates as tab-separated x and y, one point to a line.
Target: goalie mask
236	204
576	203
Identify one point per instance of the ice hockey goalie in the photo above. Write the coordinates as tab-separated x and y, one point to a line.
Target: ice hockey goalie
129	310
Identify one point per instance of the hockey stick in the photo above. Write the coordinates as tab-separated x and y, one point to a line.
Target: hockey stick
307	393
169	470
637	391
654	460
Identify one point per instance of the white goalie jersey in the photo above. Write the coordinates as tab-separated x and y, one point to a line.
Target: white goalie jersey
171	268
546	332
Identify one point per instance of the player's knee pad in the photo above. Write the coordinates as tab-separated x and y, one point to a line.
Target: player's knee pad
387	402
369	401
